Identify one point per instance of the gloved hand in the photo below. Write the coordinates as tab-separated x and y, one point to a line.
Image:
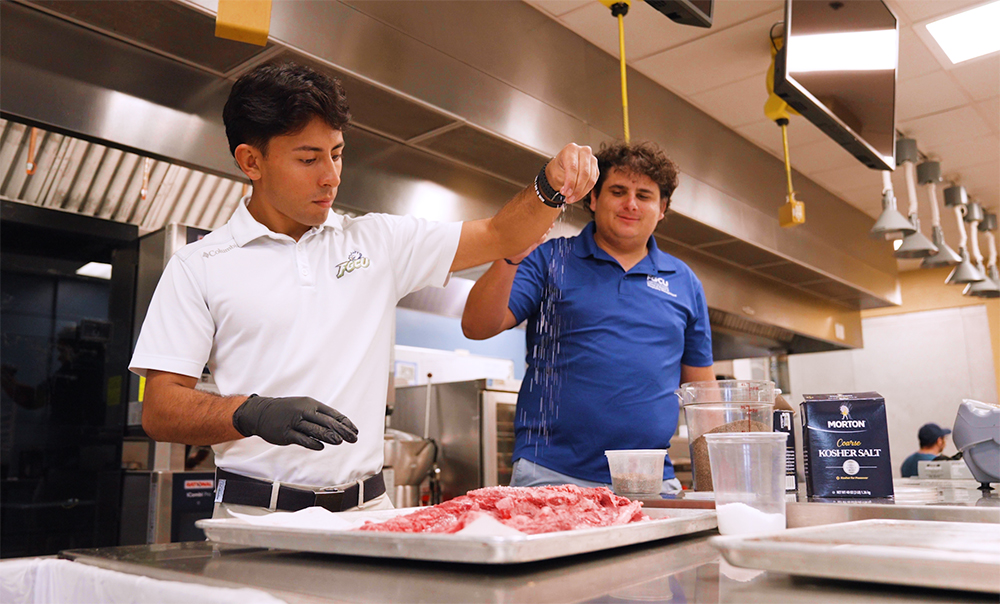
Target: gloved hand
297	420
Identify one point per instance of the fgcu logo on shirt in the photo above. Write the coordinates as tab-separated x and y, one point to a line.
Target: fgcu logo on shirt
354	261
659	284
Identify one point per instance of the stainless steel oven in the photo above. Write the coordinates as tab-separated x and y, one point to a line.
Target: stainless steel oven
473	424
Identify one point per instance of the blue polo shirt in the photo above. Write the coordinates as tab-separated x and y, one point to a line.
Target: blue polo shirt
604	353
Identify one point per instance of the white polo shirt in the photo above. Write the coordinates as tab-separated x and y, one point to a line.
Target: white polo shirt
276	317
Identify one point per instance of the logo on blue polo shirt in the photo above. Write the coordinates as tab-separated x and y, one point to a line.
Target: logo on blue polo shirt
354	261
659	284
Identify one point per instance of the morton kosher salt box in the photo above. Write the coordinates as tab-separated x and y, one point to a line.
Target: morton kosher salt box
845	446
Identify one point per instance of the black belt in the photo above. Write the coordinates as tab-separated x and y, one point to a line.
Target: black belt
243	490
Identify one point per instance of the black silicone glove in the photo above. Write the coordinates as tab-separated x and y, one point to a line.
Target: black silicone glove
293	420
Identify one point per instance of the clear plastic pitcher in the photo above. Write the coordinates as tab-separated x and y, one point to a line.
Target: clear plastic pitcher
722	406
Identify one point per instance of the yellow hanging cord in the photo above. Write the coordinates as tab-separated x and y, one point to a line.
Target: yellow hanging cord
788	165
621	52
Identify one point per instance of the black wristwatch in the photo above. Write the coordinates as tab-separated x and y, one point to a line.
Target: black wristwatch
545	192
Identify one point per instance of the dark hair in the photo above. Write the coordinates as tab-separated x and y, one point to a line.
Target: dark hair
643	158
276	99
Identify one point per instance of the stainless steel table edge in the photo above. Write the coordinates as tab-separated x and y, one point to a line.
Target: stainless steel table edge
163	574
461	548
805	514
963	571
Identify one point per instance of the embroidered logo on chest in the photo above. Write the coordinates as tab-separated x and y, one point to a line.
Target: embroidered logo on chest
659	284
354	261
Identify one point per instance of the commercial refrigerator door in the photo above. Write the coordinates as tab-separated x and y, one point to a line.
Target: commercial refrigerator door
498	436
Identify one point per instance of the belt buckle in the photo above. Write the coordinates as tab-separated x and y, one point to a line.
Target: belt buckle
330	498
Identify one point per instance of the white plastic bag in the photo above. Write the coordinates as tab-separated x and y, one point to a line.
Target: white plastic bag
53	581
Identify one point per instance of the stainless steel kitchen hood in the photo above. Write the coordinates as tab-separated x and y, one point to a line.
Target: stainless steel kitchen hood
454	111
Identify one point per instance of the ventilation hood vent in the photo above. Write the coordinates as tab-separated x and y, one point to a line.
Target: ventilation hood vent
164	27
78	72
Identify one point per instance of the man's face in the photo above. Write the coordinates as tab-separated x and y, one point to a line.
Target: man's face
628	208
298	178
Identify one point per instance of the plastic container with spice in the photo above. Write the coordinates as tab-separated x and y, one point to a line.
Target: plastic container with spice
721	406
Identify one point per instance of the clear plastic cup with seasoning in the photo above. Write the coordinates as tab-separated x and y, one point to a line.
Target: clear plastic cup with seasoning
722	406
636	473
748	471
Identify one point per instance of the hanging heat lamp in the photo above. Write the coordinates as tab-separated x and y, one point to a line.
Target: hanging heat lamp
929	174
891	224
990	286
957	199
916	244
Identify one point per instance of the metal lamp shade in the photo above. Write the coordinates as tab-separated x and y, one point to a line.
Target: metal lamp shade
988	287
891	224
945	256
916	245
965	272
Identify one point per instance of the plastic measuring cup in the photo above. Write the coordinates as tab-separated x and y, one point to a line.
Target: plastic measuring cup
722	406
748	471
636	473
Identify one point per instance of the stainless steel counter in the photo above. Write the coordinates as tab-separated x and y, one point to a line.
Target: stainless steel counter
683	569
680	569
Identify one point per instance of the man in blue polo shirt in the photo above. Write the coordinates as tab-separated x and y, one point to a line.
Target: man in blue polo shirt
614	326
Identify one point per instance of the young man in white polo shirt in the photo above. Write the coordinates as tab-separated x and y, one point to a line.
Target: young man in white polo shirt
290	305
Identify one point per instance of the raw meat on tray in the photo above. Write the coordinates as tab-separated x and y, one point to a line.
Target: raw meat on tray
528	509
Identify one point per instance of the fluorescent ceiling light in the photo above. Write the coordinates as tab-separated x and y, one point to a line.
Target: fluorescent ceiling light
850	51
970	34
100	270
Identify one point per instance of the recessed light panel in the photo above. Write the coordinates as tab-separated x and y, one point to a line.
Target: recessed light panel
969	34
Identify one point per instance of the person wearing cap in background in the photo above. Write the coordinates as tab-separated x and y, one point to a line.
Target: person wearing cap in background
931	438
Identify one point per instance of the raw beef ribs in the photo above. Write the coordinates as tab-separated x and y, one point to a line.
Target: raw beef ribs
527	509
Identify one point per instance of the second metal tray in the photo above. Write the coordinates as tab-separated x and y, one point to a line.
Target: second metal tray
946	555
516	549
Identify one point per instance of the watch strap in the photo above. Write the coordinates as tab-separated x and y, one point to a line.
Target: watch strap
545	192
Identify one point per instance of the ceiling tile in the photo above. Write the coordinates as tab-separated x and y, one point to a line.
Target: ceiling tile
918	10
765	135
868	199
593	22
558	7
914	57
732	12
714	60
989	110
901	15
849	179
944	128
927	94
736	104
802	132
981	78
982	181
820	156
980	150
647	31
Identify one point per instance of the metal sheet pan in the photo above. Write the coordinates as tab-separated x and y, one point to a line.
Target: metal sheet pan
515	549
948	555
